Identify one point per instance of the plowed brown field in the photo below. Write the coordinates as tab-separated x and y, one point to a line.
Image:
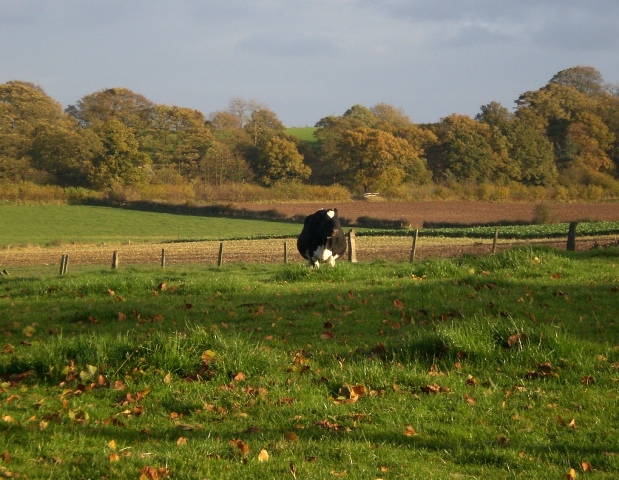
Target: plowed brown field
368	248
417	214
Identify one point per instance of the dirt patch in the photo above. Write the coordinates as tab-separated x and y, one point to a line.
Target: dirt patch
265	251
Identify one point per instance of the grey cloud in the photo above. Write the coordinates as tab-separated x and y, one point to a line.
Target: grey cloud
281	45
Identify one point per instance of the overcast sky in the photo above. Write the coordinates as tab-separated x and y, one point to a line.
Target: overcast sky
307	59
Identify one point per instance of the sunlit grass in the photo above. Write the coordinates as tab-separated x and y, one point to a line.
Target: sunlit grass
476	367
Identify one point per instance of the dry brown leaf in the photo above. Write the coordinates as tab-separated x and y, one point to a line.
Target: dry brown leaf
114	457
502	439
410	431
239	377
586	467
242	447
471	381
516	339
181	441
571	475
469	400
292	437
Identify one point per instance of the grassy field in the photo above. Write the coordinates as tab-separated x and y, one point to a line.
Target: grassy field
61	224
304	133
495	367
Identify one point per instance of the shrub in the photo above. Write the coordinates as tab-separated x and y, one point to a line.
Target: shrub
541	214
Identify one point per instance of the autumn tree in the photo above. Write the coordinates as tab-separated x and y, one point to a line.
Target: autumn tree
587	80
263	123
375	159
390	118
221	165
37	136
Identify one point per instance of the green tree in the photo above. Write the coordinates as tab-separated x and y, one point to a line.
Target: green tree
531	154
464	151
279	160
119	162
181	139
65	151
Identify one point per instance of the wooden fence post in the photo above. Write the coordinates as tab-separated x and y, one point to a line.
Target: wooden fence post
571	237
494	242
352	246
414	247
285	251
220	257
64	261
115	260
162	257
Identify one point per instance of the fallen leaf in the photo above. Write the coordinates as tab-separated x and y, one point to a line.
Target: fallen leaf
586	467
571	475
292	437
410	431
29	331
114	457
502	439
398	304
469	400
471	381
516	339
208	357
242	447
263	456
239	377
181	441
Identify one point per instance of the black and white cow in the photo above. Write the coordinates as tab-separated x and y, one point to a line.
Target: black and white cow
322	238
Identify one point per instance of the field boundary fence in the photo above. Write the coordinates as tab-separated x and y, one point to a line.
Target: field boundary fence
361	247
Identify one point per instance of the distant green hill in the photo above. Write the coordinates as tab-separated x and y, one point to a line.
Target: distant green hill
304	133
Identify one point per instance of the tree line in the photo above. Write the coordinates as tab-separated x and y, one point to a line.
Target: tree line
563	134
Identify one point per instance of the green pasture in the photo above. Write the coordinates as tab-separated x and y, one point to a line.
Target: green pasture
497	367
61	224
304	133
